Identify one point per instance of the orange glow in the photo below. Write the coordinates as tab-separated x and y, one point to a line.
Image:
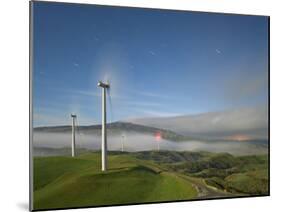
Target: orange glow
239	137
158	136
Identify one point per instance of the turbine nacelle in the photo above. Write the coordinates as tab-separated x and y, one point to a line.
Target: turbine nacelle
73	116
103	85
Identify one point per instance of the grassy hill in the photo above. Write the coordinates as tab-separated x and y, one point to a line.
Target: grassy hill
149	176
62	182
236	174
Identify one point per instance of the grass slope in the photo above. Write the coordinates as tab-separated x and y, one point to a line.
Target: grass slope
239	175
62	182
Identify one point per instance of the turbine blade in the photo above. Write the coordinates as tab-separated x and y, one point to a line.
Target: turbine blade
110	105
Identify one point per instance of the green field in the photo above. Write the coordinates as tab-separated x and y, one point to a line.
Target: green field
61	181
66	182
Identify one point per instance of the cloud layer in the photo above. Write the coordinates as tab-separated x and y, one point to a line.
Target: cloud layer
238	124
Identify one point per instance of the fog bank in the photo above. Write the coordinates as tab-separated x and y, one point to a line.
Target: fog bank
142	142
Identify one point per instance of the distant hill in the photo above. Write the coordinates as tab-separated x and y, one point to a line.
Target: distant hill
117	128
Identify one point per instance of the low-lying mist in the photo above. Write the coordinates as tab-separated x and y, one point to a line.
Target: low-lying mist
143	142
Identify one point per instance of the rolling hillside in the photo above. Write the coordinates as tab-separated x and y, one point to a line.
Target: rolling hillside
62	182
148	176
246	175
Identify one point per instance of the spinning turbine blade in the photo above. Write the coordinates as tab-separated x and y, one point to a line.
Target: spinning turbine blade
79	133
110	105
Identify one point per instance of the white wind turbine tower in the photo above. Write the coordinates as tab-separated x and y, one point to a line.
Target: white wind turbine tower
73	116
104	87
122	144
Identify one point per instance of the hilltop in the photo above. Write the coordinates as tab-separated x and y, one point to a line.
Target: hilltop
61	182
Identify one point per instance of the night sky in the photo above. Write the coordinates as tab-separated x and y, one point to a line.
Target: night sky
159	63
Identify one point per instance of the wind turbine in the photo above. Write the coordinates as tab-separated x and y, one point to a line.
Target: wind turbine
73	116
104	87
122	144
